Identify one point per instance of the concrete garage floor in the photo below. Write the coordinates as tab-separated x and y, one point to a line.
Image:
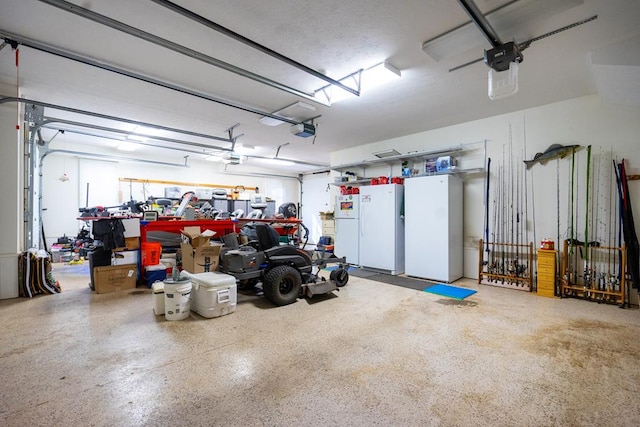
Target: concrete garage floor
371	354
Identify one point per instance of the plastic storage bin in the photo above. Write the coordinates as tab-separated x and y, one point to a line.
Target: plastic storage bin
213	294
154	273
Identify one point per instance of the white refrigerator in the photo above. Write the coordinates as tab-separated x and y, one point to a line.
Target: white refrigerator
382	228
347	217
433	227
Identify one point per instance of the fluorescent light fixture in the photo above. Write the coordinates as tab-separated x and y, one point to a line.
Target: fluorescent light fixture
141	133
213	158
298	110
279	162
270	121
243	149
232	158
362	81
126	146
378	75
333	94
386	153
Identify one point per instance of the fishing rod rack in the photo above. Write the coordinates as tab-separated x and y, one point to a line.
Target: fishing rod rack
507	265
592	272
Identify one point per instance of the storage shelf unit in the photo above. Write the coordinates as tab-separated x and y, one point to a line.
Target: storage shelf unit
602	278
391	160
508	265
395	160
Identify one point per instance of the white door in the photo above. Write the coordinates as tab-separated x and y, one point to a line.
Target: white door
377	226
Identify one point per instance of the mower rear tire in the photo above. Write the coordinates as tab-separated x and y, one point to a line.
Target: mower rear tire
282	285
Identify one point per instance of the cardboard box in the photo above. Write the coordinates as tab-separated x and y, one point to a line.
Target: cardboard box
114	278
125	257
132	243
131	227
199	254
195	238
200	259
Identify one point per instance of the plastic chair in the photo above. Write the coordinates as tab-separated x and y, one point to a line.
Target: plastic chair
238	213
255	214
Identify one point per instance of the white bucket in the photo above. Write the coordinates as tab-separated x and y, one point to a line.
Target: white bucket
177	298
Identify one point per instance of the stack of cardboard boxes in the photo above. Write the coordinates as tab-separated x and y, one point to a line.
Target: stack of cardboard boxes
123	273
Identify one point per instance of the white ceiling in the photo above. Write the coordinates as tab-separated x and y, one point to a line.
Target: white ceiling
335	36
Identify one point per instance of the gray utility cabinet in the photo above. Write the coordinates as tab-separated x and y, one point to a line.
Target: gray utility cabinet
245	205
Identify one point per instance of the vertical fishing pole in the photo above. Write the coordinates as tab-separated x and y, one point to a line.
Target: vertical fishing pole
526	191
517	261
595	258
502	219
587	273
610	222
486	207
558	200
577	201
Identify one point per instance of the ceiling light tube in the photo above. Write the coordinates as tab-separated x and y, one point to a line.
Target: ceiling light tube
379	74
279	162
126	146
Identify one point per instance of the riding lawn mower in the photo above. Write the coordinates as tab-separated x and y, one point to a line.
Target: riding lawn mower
286	271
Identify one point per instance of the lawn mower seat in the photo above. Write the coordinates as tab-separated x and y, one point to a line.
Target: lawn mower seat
268	237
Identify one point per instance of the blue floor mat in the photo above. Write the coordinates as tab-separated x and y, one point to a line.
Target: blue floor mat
450	291
333	267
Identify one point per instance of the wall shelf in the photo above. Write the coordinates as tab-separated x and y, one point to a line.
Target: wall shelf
398	159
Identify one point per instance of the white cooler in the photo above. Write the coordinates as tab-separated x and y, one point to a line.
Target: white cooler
213	294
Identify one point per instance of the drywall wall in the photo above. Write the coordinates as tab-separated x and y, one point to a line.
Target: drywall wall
611	130
105	183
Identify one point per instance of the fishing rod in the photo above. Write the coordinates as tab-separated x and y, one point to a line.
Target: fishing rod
511	181
526	190
486	206
587	273
502	218
595	255
558	199
517	217
577	205
609	222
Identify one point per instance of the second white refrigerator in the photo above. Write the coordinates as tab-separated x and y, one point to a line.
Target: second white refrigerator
382	228
434	222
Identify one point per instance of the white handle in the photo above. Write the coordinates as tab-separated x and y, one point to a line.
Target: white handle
224	295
